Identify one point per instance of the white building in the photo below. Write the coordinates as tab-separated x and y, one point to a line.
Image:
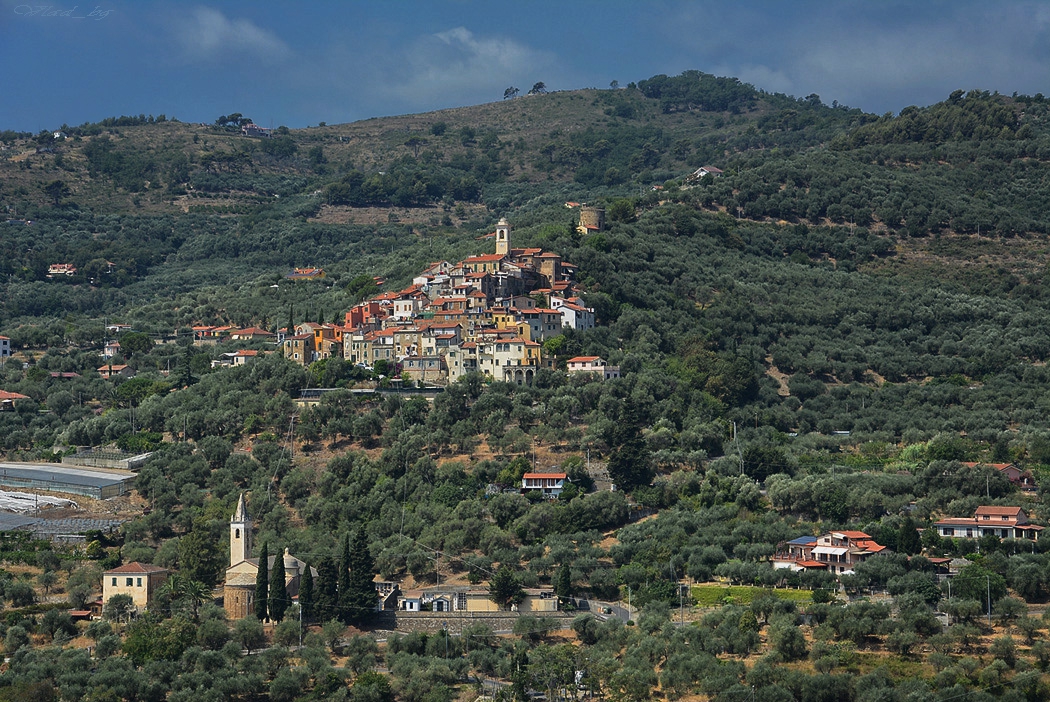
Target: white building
594	365
550	484
574	314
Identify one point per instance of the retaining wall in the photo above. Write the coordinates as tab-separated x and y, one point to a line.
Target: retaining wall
455	622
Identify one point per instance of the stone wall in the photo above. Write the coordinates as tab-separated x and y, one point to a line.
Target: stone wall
455	622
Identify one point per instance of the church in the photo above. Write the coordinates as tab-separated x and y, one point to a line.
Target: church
238	595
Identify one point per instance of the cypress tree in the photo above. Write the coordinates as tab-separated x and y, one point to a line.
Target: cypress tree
345	603
279	600
262	583
362	601
326	593
563	581
306	593
908	541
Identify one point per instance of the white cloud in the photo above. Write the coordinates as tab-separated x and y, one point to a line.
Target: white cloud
206	33
456	64
881	56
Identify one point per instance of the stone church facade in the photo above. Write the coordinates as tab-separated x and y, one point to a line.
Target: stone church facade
239	589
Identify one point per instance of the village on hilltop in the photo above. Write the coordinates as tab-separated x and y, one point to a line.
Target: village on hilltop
482	314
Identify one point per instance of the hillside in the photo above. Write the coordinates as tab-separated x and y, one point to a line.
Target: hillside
843	333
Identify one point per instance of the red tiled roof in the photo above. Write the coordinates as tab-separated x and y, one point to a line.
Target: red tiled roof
5	395
136	567
540	476
853	534
998	511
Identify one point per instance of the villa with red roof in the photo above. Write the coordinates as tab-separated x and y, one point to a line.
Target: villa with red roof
1023	479
836	551
1003	522
7	399
550	484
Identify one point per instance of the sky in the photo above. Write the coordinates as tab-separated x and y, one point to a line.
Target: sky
301	63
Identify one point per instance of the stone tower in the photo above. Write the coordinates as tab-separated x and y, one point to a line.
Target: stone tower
503	237
592	219
240	534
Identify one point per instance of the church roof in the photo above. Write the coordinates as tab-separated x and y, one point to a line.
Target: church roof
241	513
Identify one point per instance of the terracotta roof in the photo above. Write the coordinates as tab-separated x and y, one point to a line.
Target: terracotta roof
538	476
853	534
956	521
584	359
136	567
869	545
998	511
813	564
5	395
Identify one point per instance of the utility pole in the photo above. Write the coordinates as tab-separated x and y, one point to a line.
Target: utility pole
988	578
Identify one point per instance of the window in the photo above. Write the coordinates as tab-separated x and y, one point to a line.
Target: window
236	533
114	582
128	582
138	582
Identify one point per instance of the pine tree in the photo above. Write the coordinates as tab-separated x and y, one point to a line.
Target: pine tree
279	600
306	593
262	583
504	588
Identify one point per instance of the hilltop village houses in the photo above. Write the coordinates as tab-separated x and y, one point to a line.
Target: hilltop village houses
488	313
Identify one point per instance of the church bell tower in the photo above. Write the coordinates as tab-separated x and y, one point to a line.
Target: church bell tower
503	237
240	534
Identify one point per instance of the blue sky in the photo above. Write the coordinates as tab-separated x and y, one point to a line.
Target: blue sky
299	63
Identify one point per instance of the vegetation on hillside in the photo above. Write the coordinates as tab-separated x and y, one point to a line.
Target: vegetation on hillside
817	339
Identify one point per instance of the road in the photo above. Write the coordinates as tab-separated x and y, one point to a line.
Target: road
604	610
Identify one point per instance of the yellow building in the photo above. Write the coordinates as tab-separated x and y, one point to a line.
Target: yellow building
139	580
